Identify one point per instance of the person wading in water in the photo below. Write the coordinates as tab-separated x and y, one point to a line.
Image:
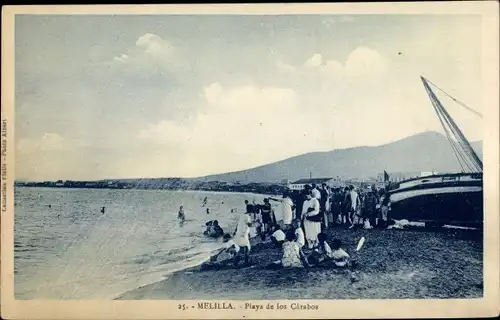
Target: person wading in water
181	216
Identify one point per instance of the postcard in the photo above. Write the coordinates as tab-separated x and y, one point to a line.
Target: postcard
250	161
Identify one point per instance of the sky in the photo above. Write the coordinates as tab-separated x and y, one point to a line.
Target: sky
101	96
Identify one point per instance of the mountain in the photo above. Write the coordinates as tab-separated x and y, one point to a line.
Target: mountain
427	151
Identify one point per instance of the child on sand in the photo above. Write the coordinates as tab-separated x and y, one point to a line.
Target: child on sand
293	257
324	255
299	233
321	252
278	236
340	257
225	256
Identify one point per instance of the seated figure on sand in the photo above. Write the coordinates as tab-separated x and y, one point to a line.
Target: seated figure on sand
293	257
278	236
323	255
225	256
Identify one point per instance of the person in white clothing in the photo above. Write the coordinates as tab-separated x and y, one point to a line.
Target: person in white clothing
241	235
355	202
299	233
284	214
293	257
228	250
312	220
315	192
278	236
323	255
321	252
339	256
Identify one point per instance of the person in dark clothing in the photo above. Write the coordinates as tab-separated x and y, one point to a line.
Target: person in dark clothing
301	198
299	202
267	215
346	206
324	197
213	229
384	210
369	206
249	207
216	230
322	205
335	207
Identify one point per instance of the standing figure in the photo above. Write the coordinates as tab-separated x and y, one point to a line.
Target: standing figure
346	206
384	210
354	206
323	201
312	220
242	236
370	208
181	216
267	217
285	211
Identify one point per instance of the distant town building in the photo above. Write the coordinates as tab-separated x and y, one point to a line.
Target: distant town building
300	184
398	176
285	182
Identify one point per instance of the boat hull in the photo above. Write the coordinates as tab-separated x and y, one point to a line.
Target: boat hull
440	201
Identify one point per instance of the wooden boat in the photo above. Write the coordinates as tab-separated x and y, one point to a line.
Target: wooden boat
438	199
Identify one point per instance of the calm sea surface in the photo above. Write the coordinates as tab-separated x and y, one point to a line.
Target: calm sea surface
71	250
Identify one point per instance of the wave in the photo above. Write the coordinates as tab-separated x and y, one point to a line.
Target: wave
137	242
185	265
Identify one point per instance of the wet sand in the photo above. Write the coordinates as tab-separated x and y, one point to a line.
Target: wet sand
393	264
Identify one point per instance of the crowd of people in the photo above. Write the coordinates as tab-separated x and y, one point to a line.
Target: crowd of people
298	224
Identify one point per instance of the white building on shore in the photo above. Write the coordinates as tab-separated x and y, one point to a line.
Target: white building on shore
300	184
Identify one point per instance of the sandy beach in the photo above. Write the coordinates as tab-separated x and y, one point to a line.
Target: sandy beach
415	263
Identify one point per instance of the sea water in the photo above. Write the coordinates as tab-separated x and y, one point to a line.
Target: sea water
65	248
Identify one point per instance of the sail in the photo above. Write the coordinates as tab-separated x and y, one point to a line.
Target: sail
466	156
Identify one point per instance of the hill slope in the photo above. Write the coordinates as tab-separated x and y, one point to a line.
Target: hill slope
422	152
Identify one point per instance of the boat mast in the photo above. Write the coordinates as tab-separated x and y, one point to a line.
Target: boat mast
467	153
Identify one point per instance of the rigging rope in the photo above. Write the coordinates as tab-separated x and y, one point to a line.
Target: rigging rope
457	101
461	148
453	145
467	148
465	152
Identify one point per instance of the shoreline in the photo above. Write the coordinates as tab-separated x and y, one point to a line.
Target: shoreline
144	189
393	264
255	243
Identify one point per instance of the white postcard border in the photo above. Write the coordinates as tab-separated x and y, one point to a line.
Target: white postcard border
149	309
